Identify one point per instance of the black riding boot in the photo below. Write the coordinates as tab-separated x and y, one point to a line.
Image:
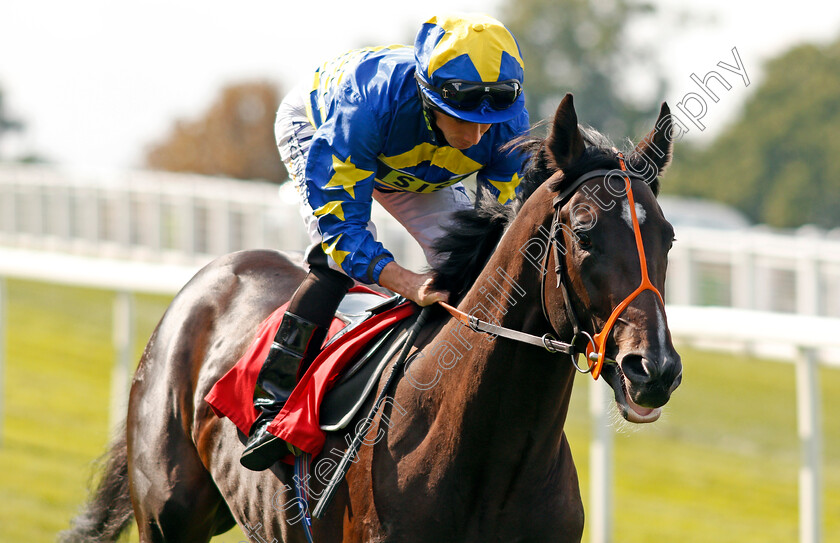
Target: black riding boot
296	340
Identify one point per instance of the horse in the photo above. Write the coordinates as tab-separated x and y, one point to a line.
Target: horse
470	446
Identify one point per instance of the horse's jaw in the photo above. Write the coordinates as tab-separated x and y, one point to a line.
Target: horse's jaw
630	410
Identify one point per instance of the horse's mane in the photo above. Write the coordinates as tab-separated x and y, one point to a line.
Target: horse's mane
473	234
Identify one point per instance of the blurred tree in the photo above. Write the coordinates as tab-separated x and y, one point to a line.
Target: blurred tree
778	161
583	47
7	124
234	138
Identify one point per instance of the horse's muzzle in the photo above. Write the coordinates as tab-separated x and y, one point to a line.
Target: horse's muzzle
649	381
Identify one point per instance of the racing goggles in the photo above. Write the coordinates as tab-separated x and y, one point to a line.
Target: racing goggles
468	95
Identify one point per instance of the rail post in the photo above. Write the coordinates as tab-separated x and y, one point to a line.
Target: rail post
600	464
124	335
810	439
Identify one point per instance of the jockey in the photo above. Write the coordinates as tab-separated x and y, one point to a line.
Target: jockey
402	126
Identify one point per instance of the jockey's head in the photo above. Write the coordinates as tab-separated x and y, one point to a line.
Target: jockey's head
470	68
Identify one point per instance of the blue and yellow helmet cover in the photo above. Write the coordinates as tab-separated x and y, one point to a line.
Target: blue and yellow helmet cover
475	48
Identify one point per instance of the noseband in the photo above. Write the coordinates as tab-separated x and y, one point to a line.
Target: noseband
582	342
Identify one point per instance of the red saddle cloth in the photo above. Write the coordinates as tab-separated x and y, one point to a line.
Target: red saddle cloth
298	421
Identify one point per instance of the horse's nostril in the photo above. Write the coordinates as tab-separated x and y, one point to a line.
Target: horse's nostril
650	383
636	368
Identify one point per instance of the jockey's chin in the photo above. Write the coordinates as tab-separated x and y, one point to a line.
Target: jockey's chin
461	145
460	134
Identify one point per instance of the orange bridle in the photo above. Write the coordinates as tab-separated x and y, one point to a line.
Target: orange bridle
600	339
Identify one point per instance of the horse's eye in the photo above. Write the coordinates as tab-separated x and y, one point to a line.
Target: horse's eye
583	240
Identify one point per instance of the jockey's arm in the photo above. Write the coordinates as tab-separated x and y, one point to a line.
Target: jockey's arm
414	286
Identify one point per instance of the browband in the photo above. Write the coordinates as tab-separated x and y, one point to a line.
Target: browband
561	198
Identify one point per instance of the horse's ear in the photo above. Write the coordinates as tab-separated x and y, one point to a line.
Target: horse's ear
657	146
565	142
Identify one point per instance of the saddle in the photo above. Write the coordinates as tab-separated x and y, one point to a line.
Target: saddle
356	381
336	384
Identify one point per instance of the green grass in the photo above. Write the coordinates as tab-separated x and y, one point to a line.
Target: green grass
720	466
722	463
57	384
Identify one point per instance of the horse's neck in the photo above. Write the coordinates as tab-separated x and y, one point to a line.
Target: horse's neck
513	391
508	291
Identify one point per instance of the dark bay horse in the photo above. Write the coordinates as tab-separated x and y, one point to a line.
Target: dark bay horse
471	445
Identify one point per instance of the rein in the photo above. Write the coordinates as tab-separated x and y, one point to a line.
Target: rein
582	342
478	325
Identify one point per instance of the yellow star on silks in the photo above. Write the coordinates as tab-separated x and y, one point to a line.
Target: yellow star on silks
507	189
346	175
331	208
333	252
